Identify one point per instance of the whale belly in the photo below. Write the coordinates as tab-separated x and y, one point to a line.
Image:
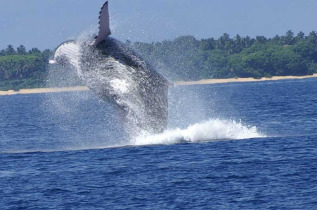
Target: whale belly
117	74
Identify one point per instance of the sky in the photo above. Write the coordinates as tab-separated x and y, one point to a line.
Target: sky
47	23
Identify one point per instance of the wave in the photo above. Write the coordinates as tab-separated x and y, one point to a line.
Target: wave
206	131
211	130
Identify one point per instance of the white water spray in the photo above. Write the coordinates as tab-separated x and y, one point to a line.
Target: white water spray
211	130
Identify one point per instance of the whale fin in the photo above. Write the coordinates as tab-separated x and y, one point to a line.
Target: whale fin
104	24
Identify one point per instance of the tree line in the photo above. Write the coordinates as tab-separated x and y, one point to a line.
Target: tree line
20	68
187	58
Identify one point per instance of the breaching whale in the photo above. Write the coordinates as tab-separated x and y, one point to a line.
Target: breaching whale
118	74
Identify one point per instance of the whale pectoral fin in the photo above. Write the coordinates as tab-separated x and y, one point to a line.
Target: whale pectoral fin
104	24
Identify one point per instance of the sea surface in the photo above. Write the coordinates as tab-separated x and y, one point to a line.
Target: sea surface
228	146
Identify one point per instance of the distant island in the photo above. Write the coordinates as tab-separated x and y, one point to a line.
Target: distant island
186	59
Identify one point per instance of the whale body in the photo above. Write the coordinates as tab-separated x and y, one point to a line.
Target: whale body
118	74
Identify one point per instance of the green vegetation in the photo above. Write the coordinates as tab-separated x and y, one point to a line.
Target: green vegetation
23	69
187	58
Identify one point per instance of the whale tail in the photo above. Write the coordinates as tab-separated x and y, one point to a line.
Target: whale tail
104	24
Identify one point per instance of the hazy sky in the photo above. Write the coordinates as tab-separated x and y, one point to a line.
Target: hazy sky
47	23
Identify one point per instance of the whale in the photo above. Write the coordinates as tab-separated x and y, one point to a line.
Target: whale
118	74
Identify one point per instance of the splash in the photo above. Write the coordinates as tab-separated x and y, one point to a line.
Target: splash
207	131
211	130
120	86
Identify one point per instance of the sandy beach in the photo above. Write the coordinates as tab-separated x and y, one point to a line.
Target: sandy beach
44	90
179	83
217	81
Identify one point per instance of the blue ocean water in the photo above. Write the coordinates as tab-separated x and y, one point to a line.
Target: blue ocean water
229	146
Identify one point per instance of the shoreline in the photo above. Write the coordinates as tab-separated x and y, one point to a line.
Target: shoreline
44	90
250	79
177	83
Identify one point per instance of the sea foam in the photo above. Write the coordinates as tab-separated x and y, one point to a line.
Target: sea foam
211	130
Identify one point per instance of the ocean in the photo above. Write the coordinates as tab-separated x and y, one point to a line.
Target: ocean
228	146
